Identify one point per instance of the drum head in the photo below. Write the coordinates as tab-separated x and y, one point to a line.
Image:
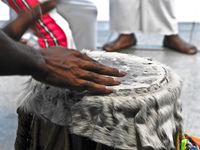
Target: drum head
142	76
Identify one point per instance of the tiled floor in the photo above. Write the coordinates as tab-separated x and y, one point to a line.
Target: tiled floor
188	67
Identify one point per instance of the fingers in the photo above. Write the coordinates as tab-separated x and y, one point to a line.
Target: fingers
71	69
42	9
93	65
26	42
102	69
96	78
90	86
75	58
78	73
36	12
47	6
82	80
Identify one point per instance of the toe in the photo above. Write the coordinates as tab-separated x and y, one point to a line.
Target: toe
107	48
192	50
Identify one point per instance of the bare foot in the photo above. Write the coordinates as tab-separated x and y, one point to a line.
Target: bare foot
176	43
123	41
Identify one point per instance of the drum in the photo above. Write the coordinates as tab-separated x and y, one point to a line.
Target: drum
143	112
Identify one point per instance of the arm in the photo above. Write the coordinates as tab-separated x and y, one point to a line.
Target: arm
17	58
26	19
57	66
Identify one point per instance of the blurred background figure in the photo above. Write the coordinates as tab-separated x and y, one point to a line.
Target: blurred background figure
77	18
82	18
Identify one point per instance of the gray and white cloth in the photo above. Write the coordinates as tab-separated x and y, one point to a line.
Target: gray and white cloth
147	16
144	112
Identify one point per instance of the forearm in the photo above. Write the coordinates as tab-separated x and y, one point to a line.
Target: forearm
17	58
18	27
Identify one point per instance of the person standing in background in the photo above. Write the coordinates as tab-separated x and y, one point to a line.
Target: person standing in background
147	16
82	18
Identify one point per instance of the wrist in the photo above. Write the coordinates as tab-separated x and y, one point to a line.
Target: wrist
36	13
38	65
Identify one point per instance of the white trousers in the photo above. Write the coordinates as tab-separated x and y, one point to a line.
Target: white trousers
81	16
147	16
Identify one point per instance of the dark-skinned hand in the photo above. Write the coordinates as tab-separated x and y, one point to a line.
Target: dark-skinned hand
71	69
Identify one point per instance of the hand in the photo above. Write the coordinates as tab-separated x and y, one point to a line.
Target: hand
25	20
47	6
71	69
26	42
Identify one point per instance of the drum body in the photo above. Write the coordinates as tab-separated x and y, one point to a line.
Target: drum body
143	112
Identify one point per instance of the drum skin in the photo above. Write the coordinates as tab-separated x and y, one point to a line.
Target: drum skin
143	112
